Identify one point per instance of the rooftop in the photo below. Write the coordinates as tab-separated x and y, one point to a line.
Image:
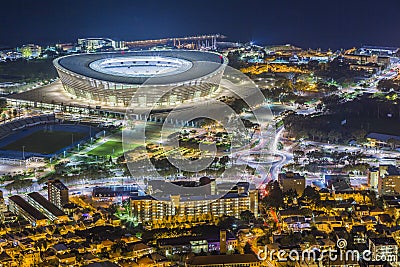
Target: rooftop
372	47
383	241
223	259
109	191
382	137
42	201
290	175
58	184
28	208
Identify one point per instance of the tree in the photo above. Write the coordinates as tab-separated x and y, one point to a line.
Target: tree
290	240
334	136
275	196
393	143
290	196
3	103
331	101
311	194
313	64
226	222
301	85
359	135
285	85
247	216
297	154
118	246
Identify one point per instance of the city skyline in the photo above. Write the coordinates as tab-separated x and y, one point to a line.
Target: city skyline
307	24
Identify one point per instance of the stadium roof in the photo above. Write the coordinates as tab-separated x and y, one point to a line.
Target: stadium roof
203	64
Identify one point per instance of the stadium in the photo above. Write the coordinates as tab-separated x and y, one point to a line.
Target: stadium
41	136
171	76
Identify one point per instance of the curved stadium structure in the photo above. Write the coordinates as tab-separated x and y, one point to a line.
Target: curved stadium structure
173	76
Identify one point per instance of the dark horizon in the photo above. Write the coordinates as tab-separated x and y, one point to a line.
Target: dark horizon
338	24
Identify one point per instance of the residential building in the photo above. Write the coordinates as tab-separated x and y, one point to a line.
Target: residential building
379	50
30	51
383	140
243	260
292	181
383	248
223	243
3	207
194	209
93	44
373	179
389	180
360	196
112	193
46	207
21	207
337	182
57	193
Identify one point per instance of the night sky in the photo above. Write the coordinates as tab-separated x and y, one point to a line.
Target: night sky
307	23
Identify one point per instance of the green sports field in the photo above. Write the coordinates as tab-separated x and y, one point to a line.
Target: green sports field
44	142
113	148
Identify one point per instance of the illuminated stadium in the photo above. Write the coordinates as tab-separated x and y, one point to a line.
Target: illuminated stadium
41	136
114	78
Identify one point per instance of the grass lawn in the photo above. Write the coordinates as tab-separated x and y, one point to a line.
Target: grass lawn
107	149
27	71
45	142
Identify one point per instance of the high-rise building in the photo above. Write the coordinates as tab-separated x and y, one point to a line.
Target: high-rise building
388	180
57	193
292	181
373	178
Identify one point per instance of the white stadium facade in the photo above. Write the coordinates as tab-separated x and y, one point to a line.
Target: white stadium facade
172	76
